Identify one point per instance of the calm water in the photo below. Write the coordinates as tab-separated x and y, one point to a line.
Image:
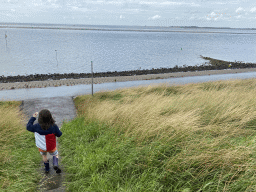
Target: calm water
42	51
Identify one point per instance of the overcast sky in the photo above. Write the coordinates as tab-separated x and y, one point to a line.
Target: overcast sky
201	13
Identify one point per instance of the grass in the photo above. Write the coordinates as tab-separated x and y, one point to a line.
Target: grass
158	138
19	157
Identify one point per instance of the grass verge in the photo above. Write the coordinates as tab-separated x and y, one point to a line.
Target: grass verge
19	157
164	138
194	137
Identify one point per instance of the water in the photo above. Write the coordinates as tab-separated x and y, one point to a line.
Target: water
68	91
28	51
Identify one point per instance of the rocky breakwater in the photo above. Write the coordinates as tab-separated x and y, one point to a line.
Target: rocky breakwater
212	64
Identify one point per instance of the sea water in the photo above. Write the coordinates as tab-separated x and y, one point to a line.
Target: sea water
70	49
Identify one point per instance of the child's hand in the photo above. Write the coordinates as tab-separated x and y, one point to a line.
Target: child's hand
35	114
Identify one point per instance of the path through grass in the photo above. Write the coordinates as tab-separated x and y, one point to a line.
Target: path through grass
159	138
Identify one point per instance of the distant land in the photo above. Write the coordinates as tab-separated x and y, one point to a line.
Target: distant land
105	27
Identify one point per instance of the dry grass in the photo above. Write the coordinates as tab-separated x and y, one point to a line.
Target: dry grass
212	122
212	125
12	131
11	126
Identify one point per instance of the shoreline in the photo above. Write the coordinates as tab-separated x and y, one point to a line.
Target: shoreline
164	29
100	80
212	67
212	64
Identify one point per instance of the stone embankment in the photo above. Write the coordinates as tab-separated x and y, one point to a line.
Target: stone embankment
213	64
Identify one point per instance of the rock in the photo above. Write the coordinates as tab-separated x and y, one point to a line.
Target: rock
213	65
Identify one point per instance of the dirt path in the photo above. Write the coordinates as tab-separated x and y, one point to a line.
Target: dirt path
62	109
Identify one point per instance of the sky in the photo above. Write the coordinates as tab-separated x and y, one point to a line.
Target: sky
201	13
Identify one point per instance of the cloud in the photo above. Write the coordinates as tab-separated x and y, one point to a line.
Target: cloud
177	3
75	7
194	5
253	9
154	17
219	3
139	12
171	3
106	2
239	9
133	10
78	9
191	18
215	16
147	3
212	14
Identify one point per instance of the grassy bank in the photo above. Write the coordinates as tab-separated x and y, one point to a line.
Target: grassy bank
19	158
158	138
183	138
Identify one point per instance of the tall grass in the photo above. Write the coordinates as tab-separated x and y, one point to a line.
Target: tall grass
194	137
19	158
206	131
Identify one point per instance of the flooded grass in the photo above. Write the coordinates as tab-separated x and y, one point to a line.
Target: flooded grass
158	138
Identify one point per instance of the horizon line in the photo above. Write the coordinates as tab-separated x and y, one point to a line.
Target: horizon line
186	26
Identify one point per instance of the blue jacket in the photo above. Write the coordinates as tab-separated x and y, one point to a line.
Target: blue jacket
45	139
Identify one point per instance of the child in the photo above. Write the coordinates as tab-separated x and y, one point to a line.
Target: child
45	134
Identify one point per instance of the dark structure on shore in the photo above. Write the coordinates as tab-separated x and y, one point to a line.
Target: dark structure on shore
213	64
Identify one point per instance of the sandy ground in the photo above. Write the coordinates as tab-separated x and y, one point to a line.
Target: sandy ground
99	80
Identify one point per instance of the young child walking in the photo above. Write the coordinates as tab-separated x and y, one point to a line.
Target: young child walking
45	135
